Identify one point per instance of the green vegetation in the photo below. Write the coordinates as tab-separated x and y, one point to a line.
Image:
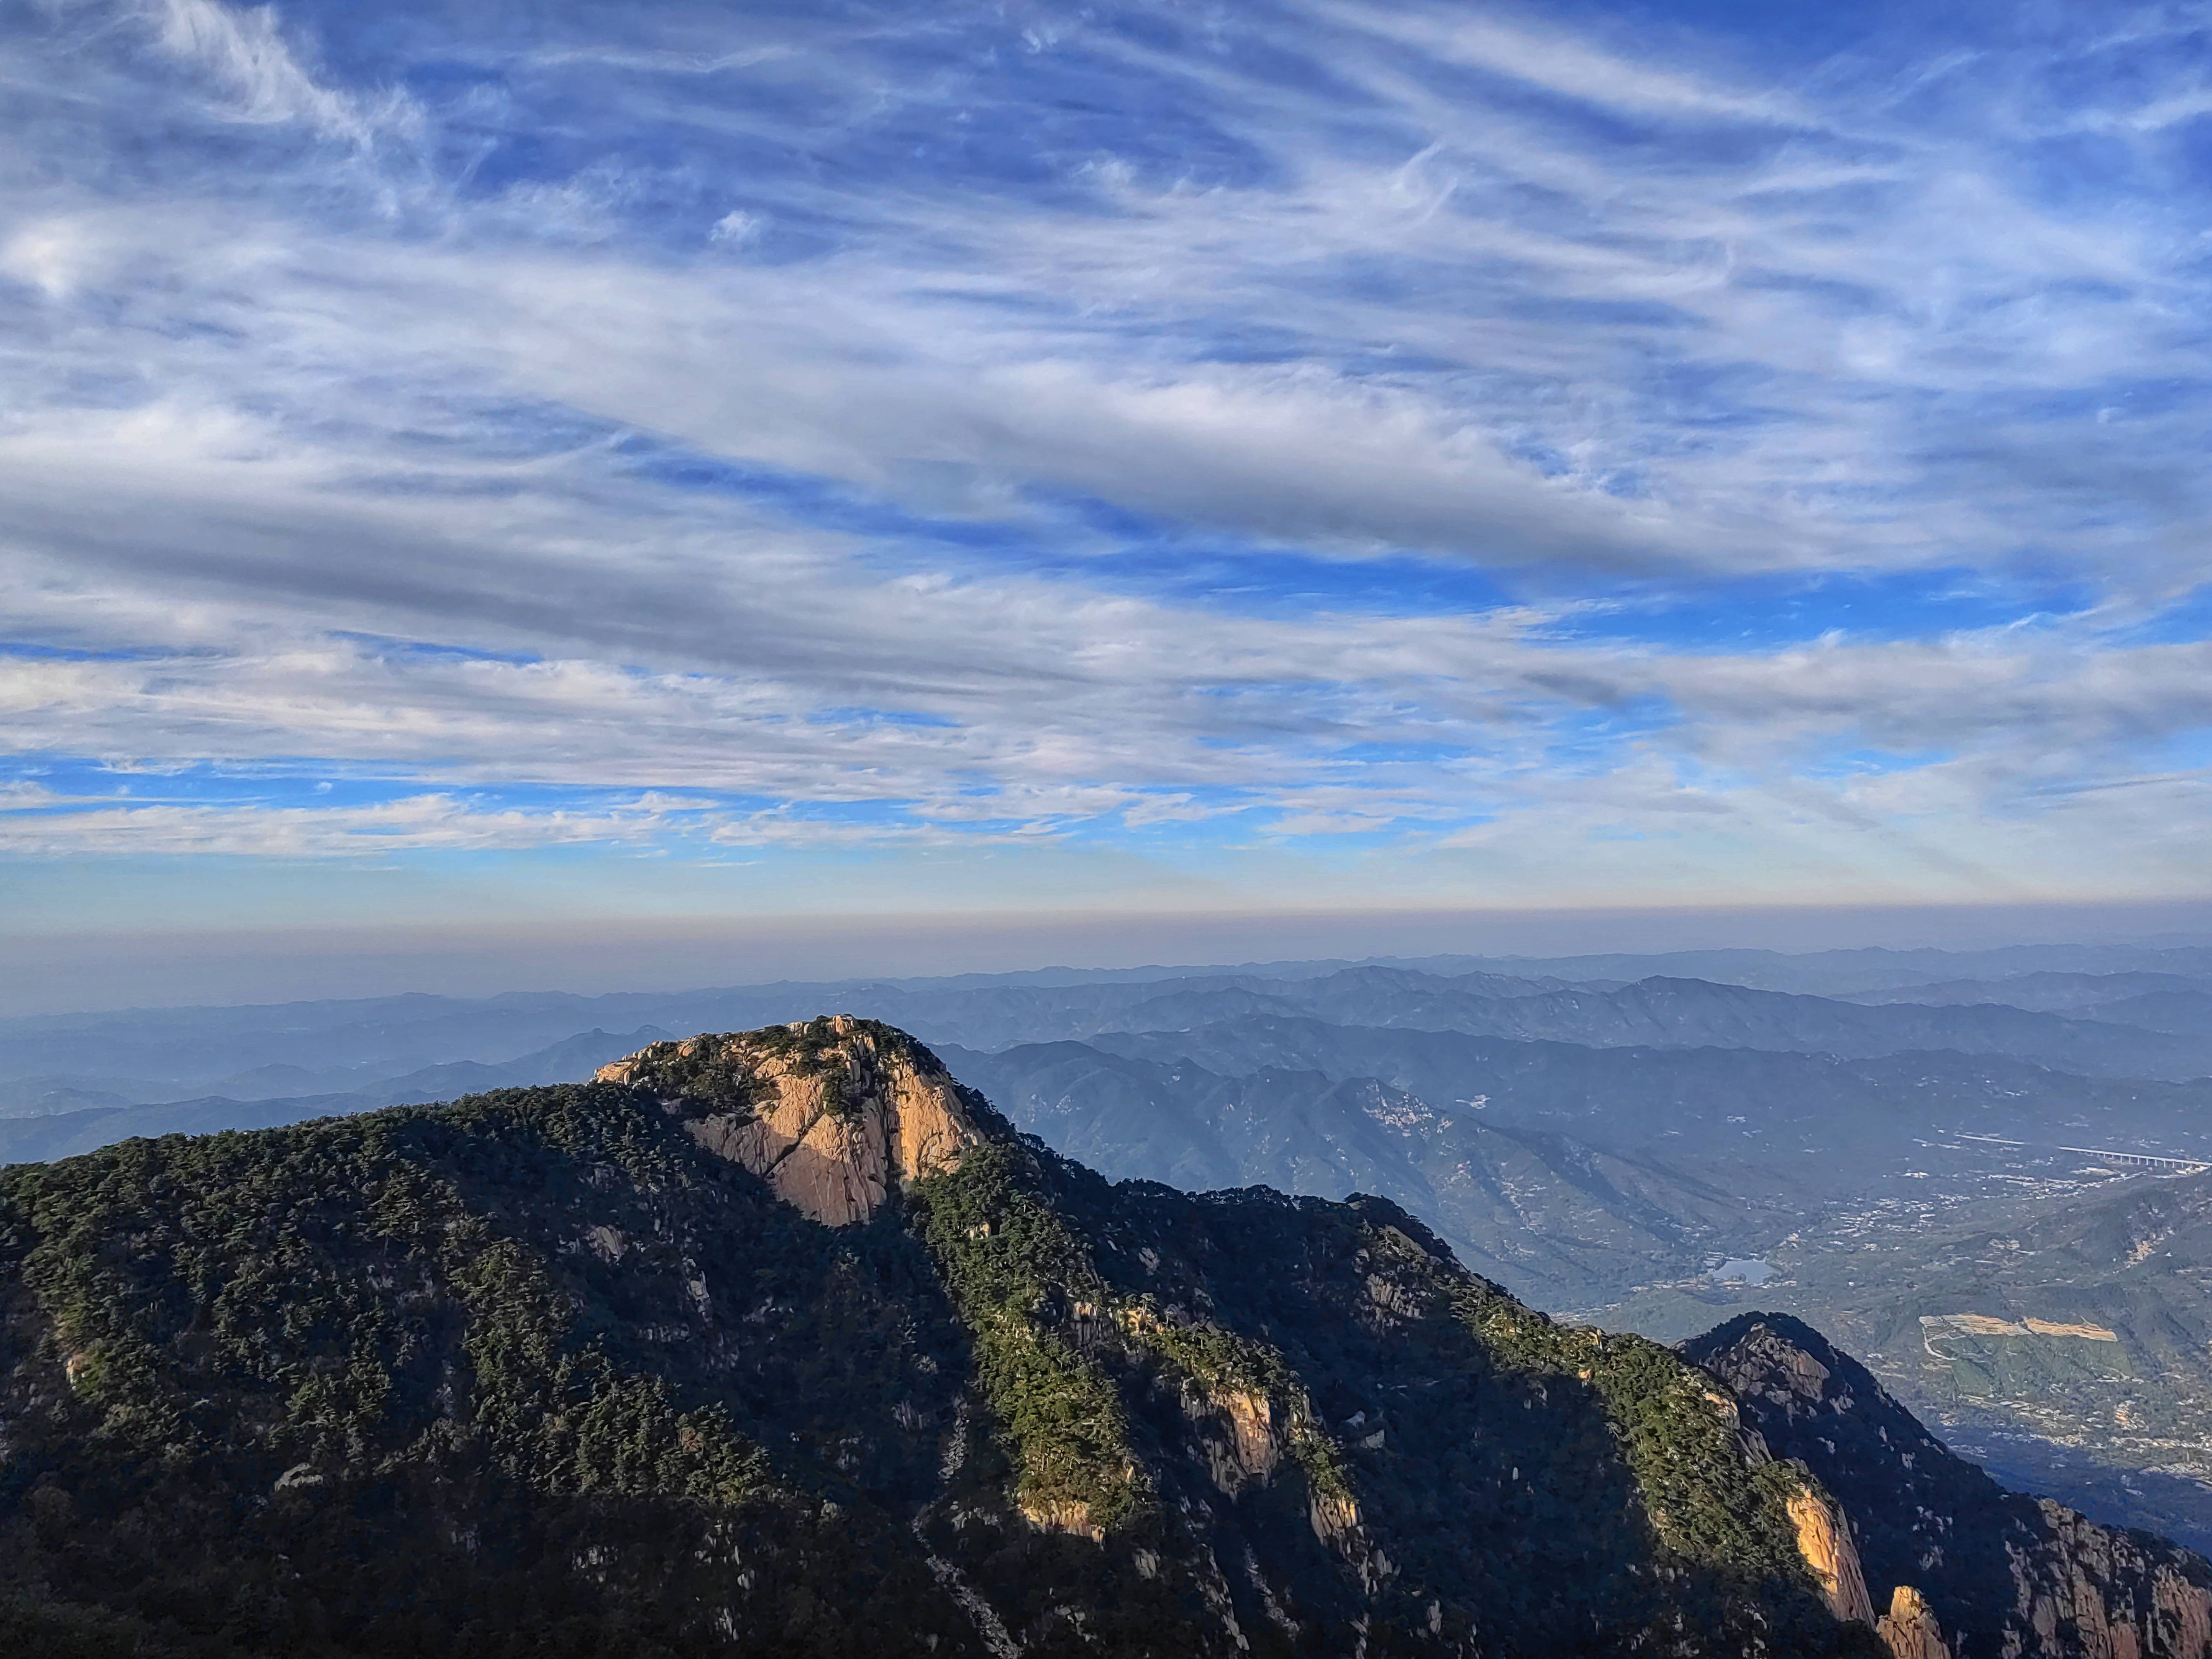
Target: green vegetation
1016	1274
1707	1503
538	1374
357	1389
312	1228
1021	1281
49	1630
1222	1362
718	1072
706	1075
566	1420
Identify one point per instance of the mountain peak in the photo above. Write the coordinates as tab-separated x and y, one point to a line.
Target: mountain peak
834	1112
586	1368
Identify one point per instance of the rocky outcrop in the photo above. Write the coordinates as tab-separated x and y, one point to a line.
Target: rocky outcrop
1971	1571
1823	1539
1251	1421
1249	1451
1067	1515
1909	1630
1334	1516
2109	1594
834	1114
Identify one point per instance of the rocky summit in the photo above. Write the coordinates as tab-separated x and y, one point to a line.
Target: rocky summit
834	1128
785	1343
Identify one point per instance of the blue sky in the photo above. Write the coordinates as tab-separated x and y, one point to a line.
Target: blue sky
469	463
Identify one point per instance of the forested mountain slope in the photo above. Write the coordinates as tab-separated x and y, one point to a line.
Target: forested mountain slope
787	1343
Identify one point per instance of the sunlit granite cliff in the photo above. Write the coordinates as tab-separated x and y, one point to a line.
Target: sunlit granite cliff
834	1127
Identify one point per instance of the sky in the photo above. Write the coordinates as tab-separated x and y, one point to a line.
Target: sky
490	467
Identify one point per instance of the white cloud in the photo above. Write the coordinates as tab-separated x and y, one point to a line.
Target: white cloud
257	421
53	255
1560	62
736	227
435	822
244	53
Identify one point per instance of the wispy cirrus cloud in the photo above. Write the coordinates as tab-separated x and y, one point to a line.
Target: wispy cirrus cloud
1585	441
413	823
255	76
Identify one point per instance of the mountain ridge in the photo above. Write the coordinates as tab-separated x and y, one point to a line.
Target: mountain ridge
577	1366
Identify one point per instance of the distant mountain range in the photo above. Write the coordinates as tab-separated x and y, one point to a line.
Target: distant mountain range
1573	1173
338	1046
58	1121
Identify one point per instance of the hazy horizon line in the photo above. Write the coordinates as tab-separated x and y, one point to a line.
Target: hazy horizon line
103	973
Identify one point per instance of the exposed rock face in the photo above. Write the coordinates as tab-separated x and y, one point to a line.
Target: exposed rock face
834	1114
2104	1592
1251	1450
1972	1571
1333	1516
1064	1515
1909	1630
1251	1420
1823	1539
